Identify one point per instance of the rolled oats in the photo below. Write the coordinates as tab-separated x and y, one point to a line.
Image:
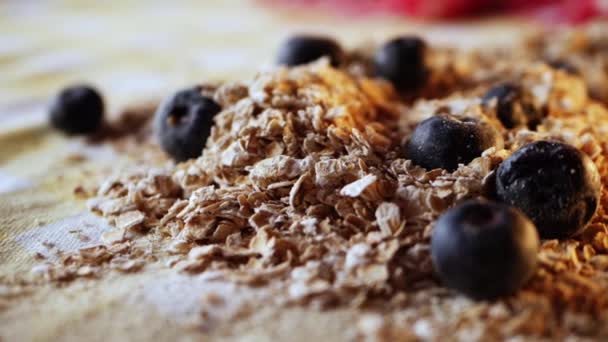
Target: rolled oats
303	188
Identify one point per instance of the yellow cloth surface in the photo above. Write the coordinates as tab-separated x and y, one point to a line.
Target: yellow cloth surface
134	51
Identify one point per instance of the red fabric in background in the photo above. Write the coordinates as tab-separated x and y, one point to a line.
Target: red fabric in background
551	11
569	11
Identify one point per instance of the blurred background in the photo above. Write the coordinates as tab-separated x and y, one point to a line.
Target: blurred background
137	50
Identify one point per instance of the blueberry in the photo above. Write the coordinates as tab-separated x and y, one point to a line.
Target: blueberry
183	123
553	183
401	61
561	64
444	141
77	109
303	49
511	108
484	250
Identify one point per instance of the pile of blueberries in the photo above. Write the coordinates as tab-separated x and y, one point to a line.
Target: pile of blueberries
484	248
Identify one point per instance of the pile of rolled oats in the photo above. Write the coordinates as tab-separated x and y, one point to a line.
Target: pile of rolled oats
302	174
303	187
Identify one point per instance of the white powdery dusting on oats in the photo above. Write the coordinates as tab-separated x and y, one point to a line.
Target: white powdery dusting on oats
355	188
99	153
67	235
190	298
10	183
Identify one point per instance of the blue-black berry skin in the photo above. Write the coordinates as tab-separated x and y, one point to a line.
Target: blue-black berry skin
553	183
484	250
564	65
303	49
402	62
444	141
77	109
511	109
183	123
